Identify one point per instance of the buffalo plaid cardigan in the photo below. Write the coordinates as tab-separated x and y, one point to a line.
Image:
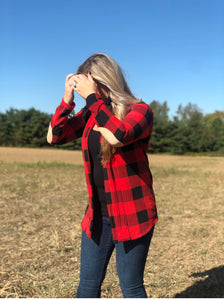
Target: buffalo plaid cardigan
127	178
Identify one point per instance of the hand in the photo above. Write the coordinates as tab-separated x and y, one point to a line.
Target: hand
85	85
69	88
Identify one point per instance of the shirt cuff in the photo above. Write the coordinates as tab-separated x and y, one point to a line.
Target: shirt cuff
68	106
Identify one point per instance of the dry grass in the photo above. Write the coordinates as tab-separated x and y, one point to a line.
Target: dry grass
42	201
32	155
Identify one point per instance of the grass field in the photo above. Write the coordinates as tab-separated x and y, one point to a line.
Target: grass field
42	201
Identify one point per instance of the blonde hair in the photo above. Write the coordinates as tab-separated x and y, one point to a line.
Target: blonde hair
108	73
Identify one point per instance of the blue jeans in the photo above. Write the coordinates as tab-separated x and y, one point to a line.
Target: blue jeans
95	255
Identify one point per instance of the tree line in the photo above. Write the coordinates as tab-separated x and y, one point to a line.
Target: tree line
189	131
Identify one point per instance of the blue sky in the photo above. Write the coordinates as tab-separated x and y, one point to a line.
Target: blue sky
170	50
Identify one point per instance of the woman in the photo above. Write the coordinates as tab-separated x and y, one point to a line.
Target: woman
121	212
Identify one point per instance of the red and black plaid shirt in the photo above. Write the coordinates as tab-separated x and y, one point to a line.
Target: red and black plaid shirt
127	177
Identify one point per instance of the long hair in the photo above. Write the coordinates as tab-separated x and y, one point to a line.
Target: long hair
105	71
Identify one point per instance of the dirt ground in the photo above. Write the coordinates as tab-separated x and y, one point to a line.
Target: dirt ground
42	201
32	155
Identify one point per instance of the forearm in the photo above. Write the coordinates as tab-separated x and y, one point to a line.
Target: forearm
108	135
62	129
49	134
136	125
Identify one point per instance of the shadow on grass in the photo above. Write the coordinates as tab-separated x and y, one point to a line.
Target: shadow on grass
210	286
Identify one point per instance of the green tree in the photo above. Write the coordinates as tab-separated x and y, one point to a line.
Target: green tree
160	141
5	131
190	127
24	127
215	127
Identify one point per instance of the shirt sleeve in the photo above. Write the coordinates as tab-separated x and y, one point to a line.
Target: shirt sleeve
65	129
136	125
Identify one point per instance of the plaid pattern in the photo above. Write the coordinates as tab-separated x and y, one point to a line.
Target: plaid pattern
65	129
127	177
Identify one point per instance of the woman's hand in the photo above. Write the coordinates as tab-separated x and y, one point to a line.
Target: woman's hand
84	85
69	88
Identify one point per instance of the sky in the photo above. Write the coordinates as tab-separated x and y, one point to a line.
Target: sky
170	50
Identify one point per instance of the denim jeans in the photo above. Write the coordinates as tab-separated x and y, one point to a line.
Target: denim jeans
95	255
